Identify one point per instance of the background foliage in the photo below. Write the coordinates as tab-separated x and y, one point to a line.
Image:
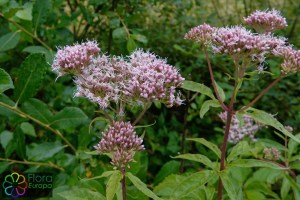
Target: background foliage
41	122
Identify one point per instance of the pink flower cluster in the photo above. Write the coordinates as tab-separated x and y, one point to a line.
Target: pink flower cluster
201	34
266	21
121	140
237	130
291	59
72	59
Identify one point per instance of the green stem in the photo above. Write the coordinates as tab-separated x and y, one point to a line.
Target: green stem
141	114
24	115
49	164
27	32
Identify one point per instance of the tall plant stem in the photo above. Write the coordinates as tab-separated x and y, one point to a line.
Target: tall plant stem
123	171
213	81
262	93
47	126
141	114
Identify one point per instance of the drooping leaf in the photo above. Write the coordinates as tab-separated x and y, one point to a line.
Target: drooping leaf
207	104
69	117
141	186
239	149
113	184
248	163
40	12
198	158
9	41
30	77
43	151
5	81
229	186
198	87
267	119
208	144
77	193
38	110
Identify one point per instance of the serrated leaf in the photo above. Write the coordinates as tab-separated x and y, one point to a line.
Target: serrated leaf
248	163
140	38
198	158
268	119
229	186
220	91
43	151
131	46
198	87
40	12
5	81
28	129
38	110
9	41
69	117
30	77
239	149
208	144
5	138
141	186
207	104
77	193
113	184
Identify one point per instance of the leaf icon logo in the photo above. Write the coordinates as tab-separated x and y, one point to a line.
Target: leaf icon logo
15	185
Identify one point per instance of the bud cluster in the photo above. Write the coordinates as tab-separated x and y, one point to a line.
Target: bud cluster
201	34
271	153
121	141
140	78
239	130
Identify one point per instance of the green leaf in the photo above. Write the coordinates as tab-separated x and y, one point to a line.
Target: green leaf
285	188
293	146
239	149
19	138
198	87
113	184
69	117
141	186
77	193
36	49
26	12
9	41
38	110
131	46
5	138
248	163
229	186
43	151
167	186
119	33
28	129
220	91
30	77
171	167
208	144
268	119
207	104
5	81
103	175
40	12
140	38
198	158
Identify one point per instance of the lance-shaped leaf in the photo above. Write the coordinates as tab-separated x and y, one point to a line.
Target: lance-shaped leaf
30	77
268	119
113	184
239	149
229	186
9	41
208	144
249	163
206	106
198	87
40	12
198	158
5	81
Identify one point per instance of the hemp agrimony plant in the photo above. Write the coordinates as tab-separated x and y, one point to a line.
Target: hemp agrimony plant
249	52
114	83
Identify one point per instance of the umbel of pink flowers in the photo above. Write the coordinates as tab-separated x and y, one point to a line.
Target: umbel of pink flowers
140	78
247	47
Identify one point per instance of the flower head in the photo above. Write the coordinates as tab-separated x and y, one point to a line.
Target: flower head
72	59
201	34
266	21
271	153
121	140
291	59
238	131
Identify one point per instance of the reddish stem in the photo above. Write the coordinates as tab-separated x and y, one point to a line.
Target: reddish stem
123	171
